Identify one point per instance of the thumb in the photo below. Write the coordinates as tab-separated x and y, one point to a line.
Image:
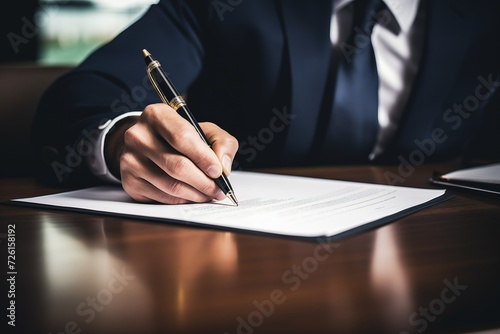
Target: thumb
223	144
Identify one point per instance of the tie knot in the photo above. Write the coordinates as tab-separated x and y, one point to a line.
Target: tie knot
366	14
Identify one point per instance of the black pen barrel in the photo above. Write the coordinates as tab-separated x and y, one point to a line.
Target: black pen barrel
169	95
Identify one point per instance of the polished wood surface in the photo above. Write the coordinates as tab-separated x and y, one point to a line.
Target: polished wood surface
434	271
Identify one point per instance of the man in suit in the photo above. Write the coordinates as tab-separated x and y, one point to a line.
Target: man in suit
281	83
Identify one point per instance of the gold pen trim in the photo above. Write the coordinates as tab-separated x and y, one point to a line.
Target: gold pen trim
177	101
151	66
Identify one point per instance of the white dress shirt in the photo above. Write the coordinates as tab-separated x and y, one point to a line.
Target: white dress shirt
96	160
397	48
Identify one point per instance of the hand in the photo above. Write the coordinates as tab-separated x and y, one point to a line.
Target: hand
161	158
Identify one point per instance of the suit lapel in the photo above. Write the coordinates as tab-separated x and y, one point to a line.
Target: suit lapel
307	29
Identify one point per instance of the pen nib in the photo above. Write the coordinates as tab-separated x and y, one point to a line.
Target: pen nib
145	53
232	197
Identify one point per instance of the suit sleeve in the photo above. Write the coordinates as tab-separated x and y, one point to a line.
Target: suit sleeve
113	81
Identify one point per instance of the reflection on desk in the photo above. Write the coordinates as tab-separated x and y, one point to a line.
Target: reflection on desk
435	271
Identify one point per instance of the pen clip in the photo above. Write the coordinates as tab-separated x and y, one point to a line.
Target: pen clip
154	64
177	101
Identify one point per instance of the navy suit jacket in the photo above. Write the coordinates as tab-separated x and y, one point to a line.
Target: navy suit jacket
258	69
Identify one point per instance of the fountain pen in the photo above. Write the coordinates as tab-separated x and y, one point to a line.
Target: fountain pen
169	95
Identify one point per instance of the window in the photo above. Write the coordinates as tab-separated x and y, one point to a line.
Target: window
71	29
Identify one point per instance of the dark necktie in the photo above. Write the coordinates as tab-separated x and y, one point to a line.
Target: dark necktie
351	128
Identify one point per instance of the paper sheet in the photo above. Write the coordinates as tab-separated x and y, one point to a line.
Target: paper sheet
269	203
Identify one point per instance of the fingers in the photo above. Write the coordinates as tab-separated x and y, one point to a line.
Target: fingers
165	160
160	164
182	136
224	145
144	181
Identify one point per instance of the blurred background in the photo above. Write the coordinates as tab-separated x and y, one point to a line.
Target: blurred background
63	32
40	41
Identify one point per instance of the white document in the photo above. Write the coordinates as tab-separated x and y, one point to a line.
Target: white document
269	203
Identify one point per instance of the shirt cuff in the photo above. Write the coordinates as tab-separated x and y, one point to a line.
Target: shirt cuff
96	161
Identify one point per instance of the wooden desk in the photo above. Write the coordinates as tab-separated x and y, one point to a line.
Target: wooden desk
435	271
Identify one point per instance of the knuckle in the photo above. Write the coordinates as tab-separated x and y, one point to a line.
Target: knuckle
175	188
202	159
126	161
230	141
131	189
151	113
130	136
234	141
182	137
208	188
177	166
